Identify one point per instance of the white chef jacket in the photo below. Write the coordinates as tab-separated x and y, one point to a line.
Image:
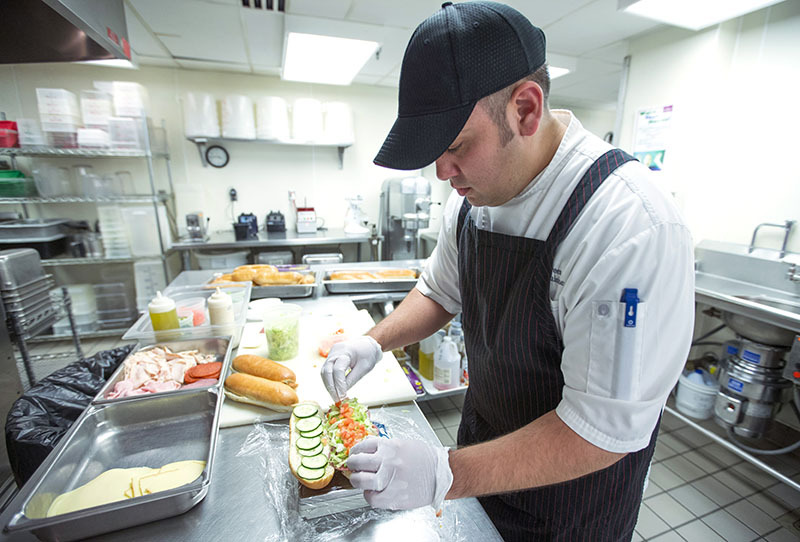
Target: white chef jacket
629	235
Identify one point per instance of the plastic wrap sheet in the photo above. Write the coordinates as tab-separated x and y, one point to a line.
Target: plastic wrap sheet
270	443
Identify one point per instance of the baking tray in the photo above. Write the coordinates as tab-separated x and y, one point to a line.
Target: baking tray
32	228
370	286
284	291
220	347
150	431
19	267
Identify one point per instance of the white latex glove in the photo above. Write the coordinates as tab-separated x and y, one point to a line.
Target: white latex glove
359	355
400	474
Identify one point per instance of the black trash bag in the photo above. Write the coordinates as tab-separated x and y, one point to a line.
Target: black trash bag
41	416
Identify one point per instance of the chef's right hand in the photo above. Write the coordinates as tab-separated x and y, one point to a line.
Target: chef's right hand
357	355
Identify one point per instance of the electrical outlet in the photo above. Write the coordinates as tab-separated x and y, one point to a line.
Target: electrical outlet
234	196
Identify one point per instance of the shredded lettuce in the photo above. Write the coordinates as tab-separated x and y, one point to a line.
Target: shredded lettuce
360	414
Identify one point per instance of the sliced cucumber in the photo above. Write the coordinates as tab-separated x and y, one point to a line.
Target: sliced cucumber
305	425
304	411
310	474
311	434
319	461
304	443
314	451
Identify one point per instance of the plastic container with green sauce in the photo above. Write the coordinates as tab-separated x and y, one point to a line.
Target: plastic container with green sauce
282	328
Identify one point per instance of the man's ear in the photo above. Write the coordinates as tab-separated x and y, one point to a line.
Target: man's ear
527	107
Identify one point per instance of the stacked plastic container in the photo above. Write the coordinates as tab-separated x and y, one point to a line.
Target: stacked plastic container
114	231
60	116
114	307
84	310
149	279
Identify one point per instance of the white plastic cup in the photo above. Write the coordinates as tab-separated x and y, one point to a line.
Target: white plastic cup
696	399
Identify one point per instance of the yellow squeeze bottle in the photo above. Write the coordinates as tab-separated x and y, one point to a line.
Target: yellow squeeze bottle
163	313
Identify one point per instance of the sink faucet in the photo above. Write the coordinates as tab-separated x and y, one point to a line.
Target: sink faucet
787	227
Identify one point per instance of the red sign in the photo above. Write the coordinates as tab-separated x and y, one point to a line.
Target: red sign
126	48
112	35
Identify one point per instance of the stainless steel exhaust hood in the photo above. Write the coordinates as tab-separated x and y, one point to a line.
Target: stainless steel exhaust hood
62	31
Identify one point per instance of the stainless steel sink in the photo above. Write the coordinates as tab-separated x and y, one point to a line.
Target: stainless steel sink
753	292
758	330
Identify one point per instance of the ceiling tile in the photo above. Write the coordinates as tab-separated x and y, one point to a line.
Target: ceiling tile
407	14
614	53
264	32
334	9
156	61
601	89
196	30
546	12
592	27
213	66
141	40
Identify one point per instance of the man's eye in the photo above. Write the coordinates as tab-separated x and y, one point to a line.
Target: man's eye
454	149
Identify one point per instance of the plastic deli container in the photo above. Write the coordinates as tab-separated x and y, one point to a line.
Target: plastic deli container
697	392
282	329
194	299
221	259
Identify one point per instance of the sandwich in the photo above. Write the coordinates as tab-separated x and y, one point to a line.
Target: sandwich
309	453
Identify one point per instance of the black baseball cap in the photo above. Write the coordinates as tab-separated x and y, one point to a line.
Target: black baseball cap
457	56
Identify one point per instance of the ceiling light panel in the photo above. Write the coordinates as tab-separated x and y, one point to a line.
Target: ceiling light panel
332	60
692	14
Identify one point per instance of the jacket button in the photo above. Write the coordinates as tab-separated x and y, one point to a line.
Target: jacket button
603	310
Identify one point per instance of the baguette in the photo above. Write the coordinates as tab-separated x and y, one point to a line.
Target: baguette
295	458
352	275
264	368
254	390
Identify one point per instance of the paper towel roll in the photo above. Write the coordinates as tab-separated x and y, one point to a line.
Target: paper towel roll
200	115
238	120
307	120
272	118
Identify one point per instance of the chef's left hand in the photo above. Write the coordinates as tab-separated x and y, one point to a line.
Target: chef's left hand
400	474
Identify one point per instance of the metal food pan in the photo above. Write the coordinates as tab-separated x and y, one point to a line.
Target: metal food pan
220	347
28	302
35	286
286	291
32	228
369	286
19	267
152	433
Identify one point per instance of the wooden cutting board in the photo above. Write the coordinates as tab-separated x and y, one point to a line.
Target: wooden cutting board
385	384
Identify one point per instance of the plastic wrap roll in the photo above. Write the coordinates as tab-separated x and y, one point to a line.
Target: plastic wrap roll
238	120
272	118
307	120
338	123
200	115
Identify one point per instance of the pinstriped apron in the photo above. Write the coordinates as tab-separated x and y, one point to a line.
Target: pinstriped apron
514	352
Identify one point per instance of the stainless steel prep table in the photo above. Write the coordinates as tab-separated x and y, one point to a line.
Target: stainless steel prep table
236	506
226	240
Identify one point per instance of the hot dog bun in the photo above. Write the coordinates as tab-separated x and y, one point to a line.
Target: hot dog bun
295	458
264	368
254	390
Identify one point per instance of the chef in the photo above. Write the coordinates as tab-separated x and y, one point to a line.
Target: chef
573	274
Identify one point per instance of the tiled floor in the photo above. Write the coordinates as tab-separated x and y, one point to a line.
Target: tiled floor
698	491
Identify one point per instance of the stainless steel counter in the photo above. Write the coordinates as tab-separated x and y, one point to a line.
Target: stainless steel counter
236	505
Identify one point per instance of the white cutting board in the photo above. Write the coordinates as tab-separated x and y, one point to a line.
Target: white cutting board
385	384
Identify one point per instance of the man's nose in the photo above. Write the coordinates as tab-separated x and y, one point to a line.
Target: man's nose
446	167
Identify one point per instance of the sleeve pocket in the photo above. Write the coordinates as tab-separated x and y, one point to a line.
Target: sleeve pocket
615	351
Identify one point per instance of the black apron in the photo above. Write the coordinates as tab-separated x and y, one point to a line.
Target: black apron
514	352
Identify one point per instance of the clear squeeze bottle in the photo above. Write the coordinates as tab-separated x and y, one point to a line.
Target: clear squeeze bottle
163	314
